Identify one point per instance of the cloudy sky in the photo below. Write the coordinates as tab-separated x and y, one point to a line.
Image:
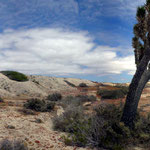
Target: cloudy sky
89	39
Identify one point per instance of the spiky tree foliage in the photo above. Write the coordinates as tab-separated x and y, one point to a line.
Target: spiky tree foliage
141	45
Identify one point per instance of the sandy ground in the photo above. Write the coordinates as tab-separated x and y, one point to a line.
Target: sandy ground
41	136
38	136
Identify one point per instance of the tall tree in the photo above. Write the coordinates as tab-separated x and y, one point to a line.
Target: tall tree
141	45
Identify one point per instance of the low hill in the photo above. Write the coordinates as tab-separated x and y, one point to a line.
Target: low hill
38	86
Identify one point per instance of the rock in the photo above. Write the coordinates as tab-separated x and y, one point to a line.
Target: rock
87	104
60	110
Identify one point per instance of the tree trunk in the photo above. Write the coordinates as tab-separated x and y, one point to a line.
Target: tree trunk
136	87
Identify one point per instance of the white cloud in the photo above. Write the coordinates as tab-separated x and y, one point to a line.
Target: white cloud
59	52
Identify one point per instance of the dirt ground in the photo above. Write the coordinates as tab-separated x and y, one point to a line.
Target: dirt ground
41	136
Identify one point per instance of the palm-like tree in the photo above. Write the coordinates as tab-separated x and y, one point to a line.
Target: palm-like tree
141	45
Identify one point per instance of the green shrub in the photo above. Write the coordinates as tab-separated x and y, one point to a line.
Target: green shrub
12	145
39	105
124	89
111	94
13	75
54	97
83	85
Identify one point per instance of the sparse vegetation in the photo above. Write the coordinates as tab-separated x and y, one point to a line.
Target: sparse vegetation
119	92
1	100
54	97
27	111
124	89
39	105
102	129
12	145
83	85
77	100
86	98
10	127
38	120
17	76
69	119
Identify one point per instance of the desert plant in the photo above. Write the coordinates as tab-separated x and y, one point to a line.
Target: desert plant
124	89
39	105
54	97
12	145
140	43
103	128
111	94
1	100
49	106
83	85
38	120
86	98
77	100
27	111
13	75
69	120
70	100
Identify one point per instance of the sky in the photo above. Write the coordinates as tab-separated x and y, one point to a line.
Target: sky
87	39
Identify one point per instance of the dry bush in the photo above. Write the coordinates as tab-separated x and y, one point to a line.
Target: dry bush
54	97
102	129
83	85
12	145
39	105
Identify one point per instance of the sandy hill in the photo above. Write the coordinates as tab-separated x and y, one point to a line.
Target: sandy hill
38	86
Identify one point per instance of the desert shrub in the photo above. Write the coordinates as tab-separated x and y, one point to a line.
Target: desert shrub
83	85
49	106
37	82
10	127
70	100
54	97
27	111
106	130
69	120
111	94
86	98
13	75
77	100
102	129
12	145
1	100
39	105
38	120
69	83
124	89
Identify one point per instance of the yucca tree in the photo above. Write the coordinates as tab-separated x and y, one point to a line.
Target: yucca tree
141	45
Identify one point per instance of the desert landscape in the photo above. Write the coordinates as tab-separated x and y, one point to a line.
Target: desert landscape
75	75
36	128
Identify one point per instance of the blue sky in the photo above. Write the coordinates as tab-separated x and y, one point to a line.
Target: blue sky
89	39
